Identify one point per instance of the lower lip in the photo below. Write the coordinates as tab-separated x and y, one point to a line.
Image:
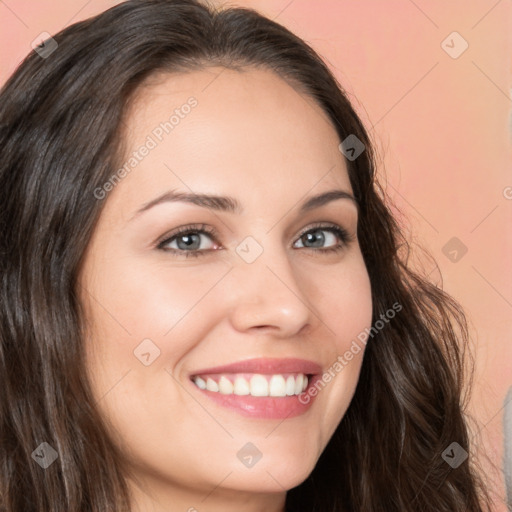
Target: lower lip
265	407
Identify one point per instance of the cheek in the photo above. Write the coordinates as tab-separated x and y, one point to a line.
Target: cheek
345	302
347	311
137	308
141	299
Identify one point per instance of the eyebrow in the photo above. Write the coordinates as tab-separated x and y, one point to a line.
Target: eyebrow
231	205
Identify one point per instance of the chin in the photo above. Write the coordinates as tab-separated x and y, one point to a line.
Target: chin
276	474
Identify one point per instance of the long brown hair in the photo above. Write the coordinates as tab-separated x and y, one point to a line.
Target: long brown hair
60	124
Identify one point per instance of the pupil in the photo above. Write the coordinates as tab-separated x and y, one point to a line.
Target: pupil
319	238
188	241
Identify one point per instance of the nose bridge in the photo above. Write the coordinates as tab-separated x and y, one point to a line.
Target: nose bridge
268	290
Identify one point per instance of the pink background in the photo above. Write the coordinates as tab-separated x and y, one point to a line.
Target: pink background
443	129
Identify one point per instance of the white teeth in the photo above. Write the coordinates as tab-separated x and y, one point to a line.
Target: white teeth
241	387
200	383
299	381
290	386
225	386
211	385
277	386
259	385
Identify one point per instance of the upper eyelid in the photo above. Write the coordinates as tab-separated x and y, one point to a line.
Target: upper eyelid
203	229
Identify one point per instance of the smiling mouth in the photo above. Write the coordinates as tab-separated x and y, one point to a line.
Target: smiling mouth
254	384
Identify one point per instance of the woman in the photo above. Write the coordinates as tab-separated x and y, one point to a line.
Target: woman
144	370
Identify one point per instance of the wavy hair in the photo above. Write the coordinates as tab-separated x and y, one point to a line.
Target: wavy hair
60	139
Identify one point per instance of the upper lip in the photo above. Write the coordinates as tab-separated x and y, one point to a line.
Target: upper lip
266	366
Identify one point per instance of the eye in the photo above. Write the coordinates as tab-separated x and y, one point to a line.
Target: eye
186	240
316	239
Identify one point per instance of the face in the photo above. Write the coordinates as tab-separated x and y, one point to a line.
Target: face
201	308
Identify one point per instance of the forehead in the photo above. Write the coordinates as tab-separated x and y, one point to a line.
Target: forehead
218	130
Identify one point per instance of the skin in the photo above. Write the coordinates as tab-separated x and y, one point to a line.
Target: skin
255	138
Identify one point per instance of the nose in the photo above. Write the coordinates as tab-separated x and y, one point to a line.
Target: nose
269	295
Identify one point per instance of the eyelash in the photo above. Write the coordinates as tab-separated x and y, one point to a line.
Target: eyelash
341	233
